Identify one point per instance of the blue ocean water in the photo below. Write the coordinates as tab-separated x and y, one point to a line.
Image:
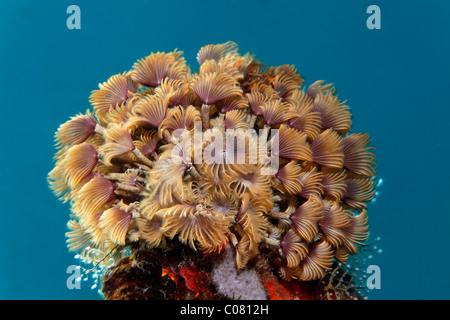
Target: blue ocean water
395	79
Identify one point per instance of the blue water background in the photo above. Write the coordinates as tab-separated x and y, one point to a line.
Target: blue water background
396	81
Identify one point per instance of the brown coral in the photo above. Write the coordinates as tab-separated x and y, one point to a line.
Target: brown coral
152	166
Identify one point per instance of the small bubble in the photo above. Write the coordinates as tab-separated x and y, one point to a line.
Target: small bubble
94	286
380	182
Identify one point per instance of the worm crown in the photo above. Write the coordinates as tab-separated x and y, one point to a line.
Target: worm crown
167	157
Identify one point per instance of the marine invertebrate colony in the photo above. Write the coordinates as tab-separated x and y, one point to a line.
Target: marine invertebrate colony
150	165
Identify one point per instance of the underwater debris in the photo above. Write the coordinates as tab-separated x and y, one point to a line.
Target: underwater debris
238	156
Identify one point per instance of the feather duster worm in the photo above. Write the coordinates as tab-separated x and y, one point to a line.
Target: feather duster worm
174	161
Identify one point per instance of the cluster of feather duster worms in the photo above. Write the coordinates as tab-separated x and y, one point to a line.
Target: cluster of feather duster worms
131	182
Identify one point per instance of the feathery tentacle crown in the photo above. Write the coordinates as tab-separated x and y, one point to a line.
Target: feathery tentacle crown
127	167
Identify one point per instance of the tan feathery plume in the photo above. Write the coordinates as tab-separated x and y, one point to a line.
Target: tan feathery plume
333	183
293	248
305	218
93	196
303	118
150	231
216	51
194	224
333	113
212	87
117	90
275	112
149	111
151	70
289	177
252	220
115	223
357	157
333	223
317	261
292	145
78	162
318	87
118	142
77	130
358	192
327	150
